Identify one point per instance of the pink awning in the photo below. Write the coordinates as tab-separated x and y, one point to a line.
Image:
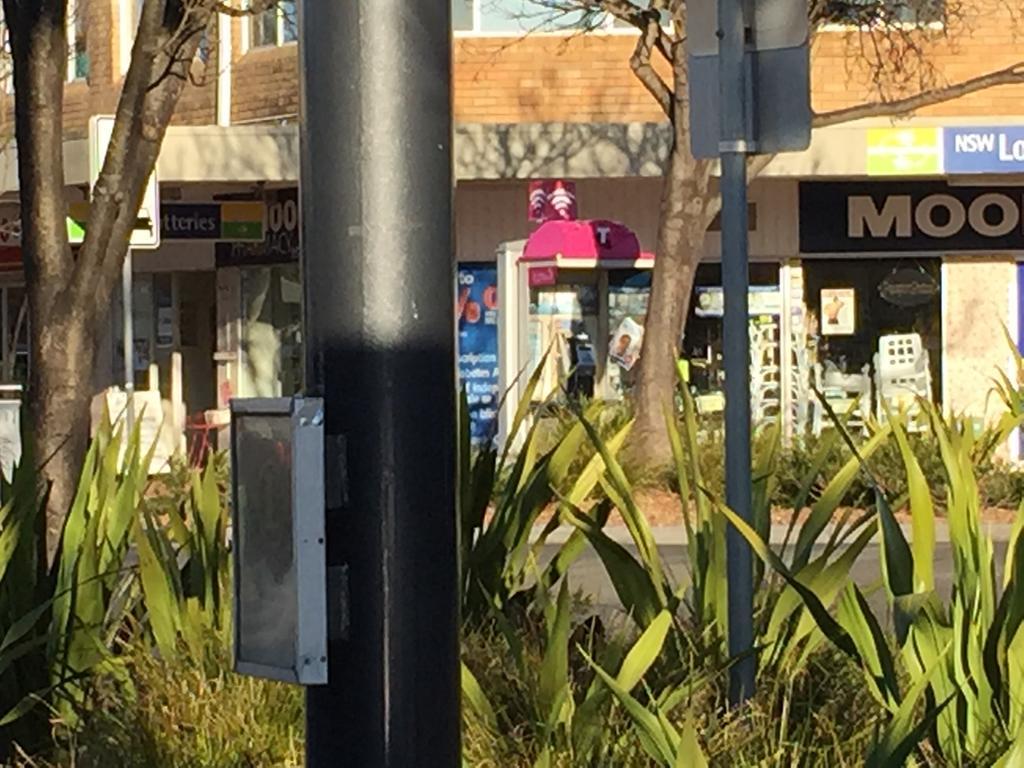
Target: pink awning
588	240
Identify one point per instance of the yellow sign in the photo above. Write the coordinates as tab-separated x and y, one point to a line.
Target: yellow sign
904	151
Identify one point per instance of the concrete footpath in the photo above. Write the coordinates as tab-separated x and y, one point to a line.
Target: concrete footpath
588	574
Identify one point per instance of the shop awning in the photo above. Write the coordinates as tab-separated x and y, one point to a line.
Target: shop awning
269	152
583	243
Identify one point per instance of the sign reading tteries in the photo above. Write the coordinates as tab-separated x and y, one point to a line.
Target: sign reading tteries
911	216
238	222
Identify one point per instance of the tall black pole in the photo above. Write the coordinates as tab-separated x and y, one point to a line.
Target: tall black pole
378	275
735	105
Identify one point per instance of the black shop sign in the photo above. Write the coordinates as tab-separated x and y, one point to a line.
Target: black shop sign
280	244
928	217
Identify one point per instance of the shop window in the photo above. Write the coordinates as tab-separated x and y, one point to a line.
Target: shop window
277	25
144	323
703	340
271	331
14	352
78	43
887	297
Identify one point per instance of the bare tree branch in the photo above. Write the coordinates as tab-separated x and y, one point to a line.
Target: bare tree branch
640	61
1012	75
237	10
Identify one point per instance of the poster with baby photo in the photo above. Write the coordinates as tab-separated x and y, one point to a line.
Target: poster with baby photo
626	343
838	311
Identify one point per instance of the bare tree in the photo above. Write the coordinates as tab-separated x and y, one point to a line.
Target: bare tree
888	48
70	292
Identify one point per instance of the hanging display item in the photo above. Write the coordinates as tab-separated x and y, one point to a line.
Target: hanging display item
626	343
838	311
908	288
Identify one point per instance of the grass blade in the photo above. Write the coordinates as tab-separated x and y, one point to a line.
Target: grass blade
644	652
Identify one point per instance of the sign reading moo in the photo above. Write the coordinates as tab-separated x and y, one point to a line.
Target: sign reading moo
907	216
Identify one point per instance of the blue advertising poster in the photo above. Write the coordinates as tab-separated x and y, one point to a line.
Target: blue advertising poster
984	149
478	347
1020	332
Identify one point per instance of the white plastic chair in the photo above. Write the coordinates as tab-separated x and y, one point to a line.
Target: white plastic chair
849	396
902	375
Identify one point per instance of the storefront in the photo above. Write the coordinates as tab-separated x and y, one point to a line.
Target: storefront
874	292
928	262
574	296
598	293
259	308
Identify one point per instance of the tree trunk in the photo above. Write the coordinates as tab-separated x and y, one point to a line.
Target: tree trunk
69	294
685	213
61	362
59	396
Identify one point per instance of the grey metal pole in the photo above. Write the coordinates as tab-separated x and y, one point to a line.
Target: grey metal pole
379	282
128	332
735	144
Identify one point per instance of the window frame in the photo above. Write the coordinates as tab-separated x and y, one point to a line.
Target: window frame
6	78
128	12
251	26
72	75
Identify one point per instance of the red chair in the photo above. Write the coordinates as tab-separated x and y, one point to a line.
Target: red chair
197	439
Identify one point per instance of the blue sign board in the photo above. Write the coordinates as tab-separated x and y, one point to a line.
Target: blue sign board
478	347
984	149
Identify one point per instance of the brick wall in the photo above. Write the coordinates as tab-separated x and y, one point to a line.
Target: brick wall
554	78
265	83
100	92
549	78
83	98
981	45
544	78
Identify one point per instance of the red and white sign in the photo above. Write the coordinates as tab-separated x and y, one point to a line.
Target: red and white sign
538	277
553	200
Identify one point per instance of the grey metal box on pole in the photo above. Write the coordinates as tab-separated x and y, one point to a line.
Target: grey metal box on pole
277	525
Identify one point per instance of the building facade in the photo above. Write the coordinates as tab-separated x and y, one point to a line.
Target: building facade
906	228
